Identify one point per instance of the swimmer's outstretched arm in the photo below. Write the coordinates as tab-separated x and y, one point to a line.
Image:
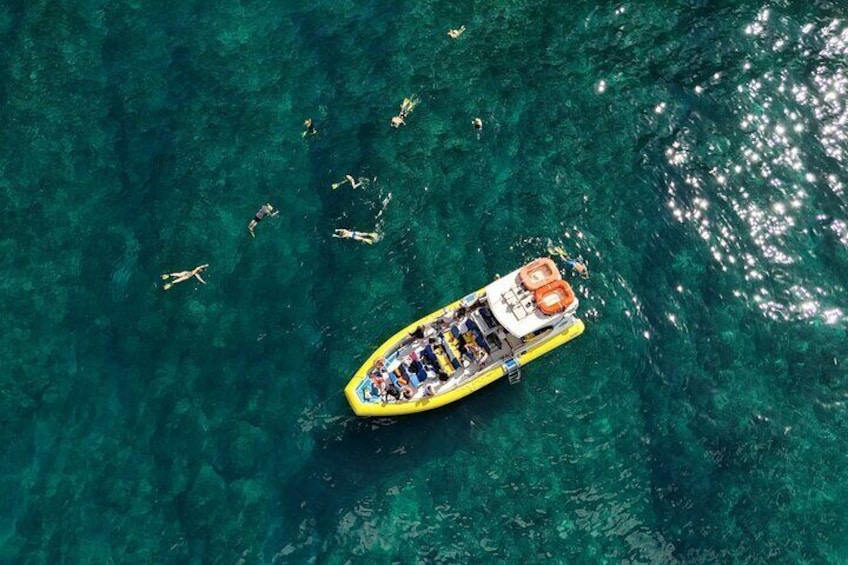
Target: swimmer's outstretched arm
198	277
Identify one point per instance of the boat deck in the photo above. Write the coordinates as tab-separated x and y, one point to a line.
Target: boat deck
466	345
436	358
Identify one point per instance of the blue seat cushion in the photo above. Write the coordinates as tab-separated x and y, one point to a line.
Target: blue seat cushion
430	355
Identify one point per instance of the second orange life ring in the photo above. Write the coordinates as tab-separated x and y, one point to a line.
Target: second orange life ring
554	297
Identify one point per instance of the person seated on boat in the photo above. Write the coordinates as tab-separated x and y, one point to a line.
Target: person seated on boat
390	390
407	392
442	324
376	388
413	337
479	353
377	367
376	373
443	376
577	266
414	366
464	353
429	390
378	381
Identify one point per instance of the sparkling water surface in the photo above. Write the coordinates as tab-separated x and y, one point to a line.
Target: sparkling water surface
692	152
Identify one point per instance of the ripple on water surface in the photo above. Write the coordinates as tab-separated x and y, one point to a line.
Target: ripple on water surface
692	154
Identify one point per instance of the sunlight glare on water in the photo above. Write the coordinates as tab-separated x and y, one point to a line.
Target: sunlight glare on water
776	109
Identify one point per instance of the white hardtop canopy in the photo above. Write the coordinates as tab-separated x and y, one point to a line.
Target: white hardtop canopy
514	306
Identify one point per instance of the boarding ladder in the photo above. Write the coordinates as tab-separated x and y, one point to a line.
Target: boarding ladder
512	370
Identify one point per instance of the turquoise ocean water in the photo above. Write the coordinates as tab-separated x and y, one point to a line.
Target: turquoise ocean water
692	152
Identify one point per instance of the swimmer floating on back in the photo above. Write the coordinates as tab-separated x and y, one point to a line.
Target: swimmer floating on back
366	237
184	276
265	210
350	179
576	265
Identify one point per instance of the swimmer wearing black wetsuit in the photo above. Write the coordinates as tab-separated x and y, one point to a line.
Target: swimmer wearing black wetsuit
310	128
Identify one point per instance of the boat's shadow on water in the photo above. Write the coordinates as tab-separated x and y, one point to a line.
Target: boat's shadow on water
355	459
406	442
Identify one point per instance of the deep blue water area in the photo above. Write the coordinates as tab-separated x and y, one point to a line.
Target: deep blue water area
692	152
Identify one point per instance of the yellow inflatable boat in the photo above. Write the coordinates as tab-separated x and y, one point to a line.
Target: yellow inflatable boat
468	344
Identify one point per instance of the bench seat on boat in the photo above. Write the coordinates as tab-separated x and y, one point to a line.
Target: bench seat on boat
450	354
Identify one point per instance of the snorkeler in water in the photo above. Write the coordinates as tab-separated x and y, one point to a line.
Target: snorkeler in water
455	33
310	128
184	276
265	210
406	107
350	179
577	266
366	237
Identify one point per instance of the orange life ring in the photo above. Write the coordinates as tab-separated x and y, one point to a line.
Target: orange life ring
537	274
554	297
